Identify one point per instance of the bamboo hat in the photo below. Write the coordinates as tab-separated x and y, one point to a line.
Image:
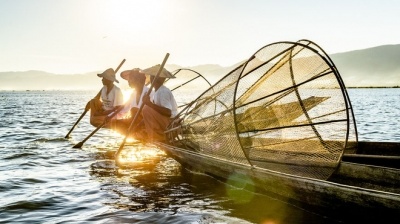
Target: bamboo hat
136	72
152	71
108	74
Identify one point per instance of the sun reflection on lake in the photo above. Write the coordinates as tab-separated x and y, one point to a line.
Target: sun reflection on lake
138	153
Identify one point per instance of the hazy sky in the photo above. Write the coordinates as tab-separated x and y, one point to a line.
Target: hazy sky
78	36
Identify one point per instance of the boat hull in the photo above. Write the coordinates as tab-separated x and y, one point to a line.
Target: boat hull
338	198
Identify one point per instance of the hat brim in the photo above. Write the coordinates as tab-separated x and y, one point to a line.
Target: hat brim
108	78
125	74
131	73
152	71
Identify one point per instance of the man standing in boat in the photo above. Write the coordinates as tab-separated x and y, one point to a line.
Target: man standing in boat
159	108
109	100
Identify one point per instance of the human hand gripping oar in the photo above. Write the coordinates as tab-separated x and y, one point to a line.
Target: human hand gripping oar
108	119
139	111
87	105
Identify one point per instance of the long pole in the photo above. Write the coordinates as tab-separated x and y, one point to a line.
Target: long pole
140	110
110	116
87	106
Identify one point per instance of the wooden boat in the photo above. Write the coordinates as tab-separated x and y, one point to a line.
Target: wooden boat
355	191
283	122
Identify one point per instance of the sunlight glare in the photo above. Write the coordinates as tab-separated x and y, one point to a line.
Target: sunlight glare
240	189
127	94
130	140
138	154
131	15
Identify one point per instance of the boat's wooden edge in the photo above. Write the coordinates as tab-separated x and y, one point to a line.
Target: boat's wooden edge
373	148
368	176
267	178
371	196
376	160
386	154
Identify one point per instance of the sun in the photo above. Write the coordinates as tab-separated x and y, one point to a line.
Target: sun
134	15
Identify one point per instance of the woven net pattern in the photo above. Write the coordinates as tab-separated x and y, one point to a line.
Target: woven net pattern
285	110
186	86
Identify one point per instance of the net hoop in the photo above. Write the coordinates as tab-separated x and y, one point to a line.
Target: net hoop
285	109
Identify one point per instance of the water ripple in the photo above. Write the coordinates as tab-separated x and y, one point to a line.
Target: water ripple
44	180
19	155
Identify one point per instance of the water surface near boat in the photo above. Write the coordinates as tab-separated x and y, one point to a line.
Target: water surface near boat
43	179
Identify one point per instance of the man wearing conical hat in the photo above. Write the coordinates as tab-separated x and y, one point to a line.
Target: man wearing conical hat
159	108
110	99
136	80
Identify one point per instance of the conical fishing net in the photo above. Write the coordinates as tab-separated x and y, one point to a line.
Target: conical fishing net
286	109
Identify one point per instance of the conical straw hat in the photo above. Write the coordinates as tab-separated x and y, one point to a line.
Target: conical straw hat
108	74
154	70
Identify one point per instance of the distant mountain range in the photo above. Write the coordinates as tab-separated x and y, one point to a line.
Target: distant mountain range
371	67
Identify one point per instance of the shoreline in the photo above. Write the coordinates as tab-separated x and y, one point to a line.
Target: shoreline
41	90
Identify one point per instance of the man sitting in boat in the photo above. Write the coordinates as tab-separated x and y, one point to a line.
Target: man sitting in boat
159	108
110	99
136	80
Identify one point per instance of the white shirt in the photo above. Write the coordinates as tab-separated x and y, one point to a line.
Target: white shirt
124	113
112	99
164	97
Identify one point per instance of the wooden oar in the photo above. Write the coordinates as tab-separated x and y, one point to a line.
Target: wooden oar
79	119
140	109
86	108
110	116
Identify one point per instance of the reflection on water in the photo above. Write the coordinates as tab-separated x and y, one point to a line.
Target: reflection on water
137	154
44	180
152	182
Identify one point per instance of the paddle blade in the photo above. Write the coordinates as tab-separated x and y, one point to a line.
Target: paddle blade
78	146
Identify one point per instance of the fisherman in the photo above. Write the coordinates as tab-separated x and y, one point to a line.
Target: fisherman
159	108
109	100
136	80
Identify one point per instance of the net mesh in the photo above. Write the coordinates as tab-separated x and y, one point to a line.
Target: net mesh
185	85
285	110
352	141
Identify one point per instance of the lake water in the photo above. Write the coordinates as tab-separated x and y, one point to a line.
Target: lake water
44	180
